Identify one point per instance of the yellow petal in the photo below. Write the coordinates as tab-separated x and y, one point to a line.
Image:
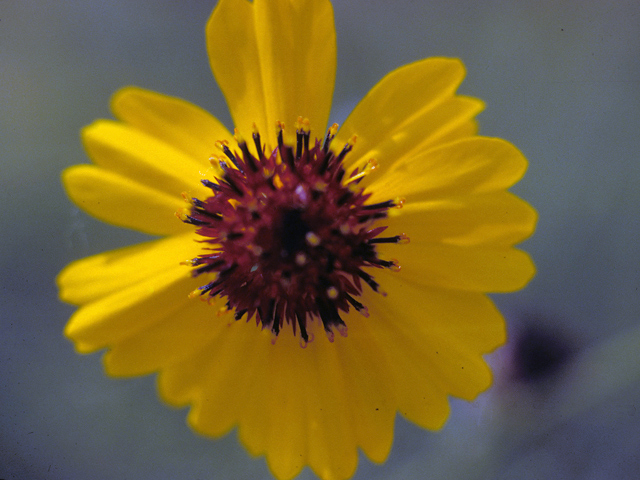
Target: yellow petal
217	390
180	383
122	201
174	121
410	107
420	395
456	132
233	55
371	398
462	167
100	275
447	121
297	50
281	65
481	269
255	426
125	312
470	318
174	338
445	332
332	452
151	162
287	441
467	268
493	219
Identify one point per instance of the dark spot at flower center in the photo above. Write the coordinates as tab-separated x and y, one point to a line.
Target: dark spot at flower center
288	234
294	230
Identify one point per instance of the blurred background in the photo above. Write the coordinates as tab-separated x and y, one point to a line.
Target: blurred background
561	80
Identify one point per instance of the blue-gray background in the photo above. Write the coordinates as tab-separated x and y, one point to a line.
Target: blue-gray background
561	80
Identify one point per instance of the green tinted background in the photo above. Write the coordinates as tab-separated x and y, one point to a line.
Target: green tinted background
561	81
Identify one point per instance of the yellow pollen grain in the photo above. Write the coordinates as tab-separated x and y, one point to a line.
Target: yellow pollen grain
366	165
399	201
301	259
403	239
320	186
266	173
220	144
252	205
367	168
187	198
312	239
237	136
395	265
332	293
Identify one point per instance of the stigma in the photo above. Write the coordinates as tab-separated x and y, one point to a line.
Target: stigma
288	237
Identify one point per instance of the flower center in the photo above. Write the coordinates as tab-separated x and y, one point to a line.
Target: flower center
288	234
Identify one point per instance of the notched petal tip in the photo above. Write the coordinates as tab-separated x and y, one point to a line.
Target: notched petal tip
124	96
63	280
526	270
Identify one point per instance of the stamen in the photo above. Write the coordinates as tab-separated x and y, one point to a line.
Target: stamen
357	305
356	177
331	134
347	148
299	134
193	221
185	196
244	148
369	280
229	181
396	239
302	137
342	330
306	130
257	143
209	184
207	268
279	134
302	324
395	266
379	206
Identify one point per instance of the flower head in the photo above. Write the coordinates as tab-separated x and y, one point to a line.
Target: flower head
387	231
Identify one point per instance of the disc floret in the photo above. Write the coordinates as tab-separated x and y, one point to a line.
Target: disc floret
288	235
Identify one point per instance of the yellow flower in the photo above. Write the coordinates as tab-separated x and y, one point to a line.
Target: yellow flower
285	231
